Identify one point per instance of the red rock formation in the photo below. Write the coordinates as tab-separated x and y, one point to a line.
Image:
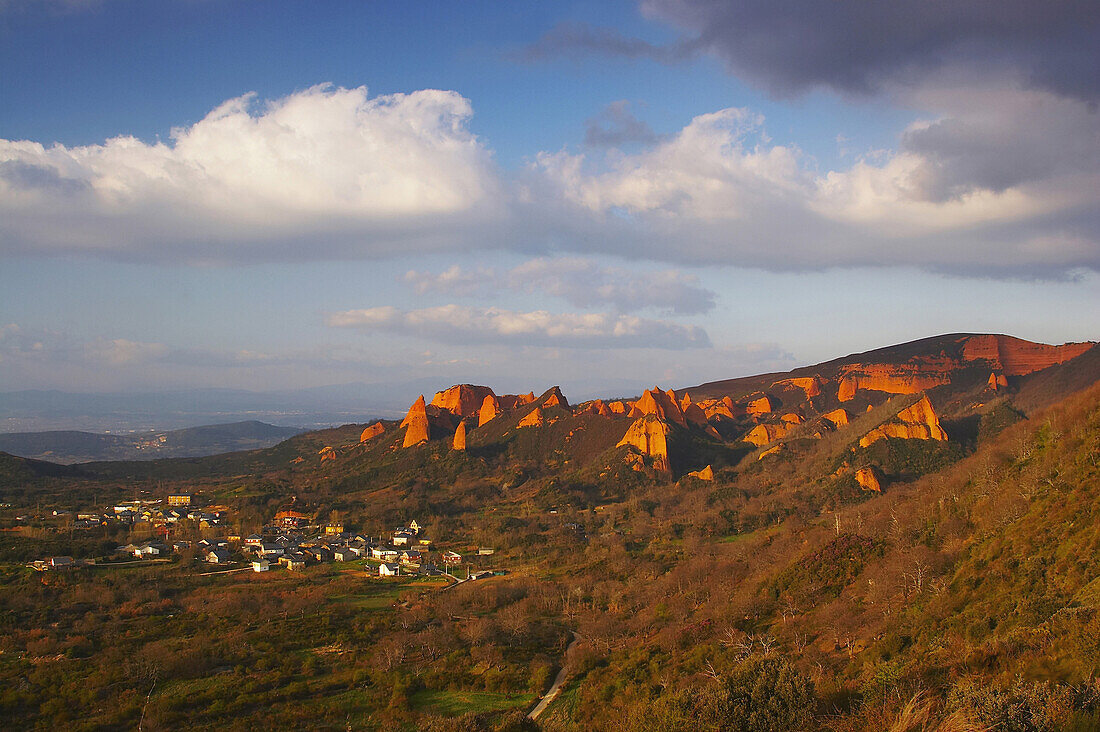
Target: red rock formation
371	432
792	418
417	423
660	404
706	473
489	410
916	422
533	418
868	479
810	385
649	435
327	453
839	417
1015	357
770	451
996	381
556	399
462	400
618	407
459	442
762	434
904	378
723	407
760	406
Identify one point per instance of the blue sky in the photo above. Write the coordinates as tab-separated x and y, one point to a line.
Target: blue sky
604	196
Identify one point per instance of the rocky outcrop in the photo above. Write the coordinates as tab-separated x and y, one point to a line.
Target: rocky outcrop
554	398
905	378
792	418
596	407
723	407
760	406
810	385
490	408
416	424
1016	357
462	400
915	422
706	473
649	436
996	381
868	478
371	432
660	404
534	418
459	442
770	451
618	407
838	417
762	434
327	453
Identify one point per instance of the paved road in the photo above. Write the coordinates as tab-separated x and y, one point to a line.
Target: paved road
555	688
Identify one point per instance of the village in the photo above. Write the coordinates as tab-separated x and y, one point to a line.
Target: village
290	541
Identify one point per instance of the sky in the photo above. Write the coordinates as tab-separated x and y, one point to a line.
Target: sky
606	196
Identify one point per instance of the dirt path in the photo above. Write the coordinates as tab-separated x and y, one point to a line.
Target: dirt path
555	688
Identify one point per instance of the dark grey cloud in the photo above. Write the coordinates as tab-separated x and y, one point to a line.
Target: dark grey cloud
615	125
1003	140
859	46
569	39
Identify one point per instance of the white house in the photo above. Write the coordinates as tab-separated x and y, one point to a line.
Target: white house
261	565
389	570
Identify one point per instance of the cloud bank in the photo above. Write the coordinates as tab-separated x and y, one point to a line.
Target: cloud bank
1000	181
325	172
459	325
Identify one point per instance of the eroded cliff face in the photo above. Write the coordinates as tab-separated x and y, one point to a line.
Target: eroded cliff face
371	432
660	404
462	400
903	378
706	473
868	479
555	398
996	381
416	422
327	453
459	442
489	410
838	417
760	406
534	418
916	422
1016	357
649	436
762	434
810	385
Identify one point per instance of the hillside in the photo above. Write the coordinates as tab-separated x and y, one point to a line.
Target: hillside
66	447
904	539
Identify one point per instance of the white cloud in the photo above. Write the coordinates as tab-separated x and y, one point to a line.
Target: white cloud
325	172
996	191
579	281
458	325
995	181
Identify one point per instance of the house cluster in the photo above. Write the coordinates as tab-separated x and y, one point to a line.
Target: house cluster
59	564
159	513
406	552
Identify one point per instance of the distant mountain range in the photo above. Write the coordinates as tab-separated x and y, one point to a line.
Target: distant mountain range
69	446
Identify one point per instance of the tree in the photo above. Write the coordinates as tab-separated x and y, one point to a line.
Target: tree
761	694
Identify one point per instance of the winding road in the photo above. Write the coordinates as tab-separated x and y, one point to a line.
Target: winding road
555	688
